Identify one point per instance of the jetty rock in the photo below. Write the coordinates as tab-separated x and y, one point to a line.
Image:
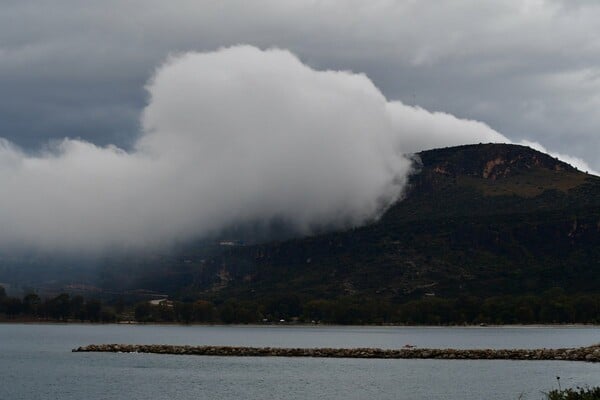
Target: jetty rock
587	354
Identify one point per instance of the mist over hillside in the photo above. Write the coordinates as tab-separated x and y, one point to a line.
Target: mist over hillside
492	219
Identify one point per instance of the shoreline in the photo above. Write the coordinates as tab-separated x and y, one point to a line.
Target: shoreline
290	325
585	354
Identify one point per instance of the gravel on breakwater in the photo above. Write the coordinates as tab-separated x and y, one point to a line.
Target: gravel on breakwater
589	354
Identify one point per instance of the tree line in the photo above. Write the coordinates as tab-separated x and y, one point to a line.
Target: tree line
552	306
60	308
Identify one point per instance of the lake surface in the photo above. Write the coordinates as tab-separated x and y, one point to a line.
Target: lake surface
36	363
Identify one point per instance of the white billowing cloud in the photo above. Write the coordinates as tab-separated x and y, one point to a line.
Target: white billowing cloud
420	129
239	134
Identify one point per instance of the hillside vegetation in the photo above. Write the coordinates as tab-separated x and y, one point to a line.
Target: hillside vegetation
484	233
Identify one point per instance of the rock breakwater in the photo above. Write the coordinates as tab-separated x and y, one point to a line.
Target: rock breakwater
589	354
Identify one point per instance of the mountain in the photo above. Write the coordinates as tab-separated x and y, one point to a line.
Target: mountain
478	220
484	233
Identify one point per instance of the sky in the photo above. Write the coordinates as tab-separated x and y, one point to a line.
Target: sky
231	137
101	97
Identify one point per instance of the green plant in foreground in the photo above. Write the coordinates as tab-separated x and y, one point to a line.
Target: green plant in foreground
575	394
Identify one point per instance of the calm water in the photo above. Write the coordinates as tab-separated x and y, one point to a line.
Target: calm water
36	363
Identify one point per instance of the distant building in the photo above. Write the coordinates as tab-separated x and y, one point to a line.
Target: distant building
161	302
231	243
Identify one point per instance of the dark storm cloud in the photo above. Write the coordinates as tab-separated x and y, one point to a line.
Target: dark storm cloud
527	68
